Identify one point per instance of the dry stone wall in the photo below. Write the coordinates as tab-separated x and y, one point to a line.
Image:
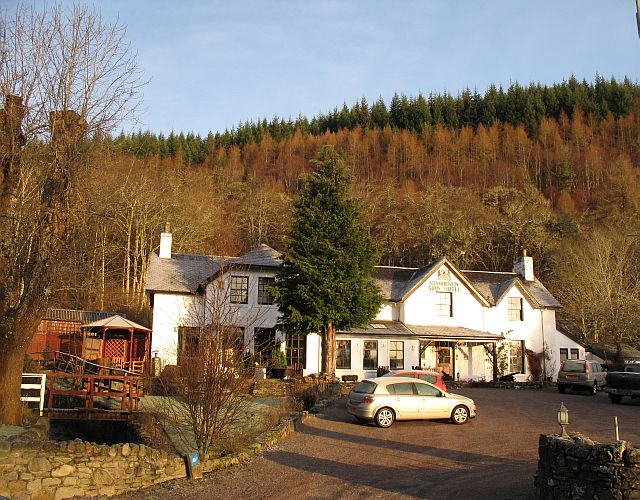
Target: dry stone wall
578	468
33	469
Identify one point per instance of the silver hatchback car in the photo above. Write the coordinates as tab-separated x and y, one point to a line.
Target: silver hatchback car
386	399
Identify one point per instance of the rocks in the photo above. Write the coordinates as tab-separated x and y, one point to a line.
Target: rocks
576	467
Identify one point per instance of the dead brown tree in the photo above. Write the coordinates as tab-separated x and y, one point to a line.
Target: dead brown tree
64	74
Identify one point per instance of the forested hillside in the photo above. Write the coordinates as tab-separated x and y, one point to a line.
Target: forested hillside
553	169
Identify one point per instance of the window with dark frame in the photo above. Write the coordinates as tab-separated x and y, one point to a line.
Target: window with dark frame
444	304
516	357
575	353
515	309
396	355
296	350
188	342
370	355
564	354
264	296
239	289
343	354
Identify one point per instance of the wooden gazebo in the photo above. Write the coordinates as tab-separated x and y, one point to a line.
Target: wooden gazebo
118	341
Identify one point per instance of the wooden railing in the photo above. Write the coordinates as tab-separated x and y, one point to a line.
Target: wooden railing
39	386
63	361
88	387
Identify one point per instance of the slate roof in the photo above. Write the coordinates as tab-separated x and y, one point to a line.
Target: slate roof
396	282
184	273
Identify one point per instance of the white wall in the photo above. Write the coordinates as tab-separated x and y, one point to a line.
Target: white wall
169	312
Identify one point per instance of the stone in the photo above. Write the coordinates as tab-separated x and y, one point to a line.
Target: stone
17	486
70	481
39	464
102	477
126	450
112	451
47	482
34	485
26	476
66	492
42	495
5	448
62	471
633	456
142	452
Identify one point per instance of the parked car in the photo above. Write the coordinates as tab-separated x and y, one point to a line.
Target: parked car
581	374
434	378
624	383
386	399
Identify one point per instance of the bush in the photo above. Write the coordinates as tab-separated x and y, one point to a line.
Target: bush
306	398
278	358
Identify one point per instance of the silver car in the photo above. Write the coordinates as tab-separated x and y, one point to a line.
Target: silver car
386	399
581	374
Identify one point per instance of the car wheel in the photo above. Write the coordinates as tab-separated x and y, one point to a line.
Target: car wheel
460	415
615	398
385	417
594	389
561	389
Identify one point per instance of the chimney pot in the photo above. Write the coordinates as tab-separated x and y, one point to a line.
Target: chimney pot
165	243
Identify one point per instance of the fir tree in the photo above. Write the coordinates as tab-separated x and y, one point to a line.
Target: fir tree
325	282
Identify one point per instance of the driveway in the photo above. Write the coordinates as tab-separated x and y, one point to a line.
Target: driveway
493	456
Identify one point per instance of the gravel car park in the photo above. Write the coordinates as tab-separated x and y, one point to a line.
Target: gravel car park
493	456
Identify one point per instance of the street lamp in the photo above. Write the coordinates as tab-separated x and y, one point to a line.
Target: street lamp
563	419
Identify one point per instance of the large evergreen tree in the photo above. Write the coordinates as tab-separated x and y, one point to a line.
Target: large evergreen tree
326	282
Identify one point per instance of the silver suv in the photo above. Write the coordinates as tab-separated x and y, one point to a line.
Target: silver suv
581	374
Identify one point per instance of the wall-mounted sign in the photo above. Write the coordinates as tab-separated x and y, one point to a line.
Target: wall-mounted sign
443	283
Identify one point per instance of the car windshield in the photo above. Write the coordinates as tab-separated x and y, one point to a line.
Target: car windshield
365	387
573	366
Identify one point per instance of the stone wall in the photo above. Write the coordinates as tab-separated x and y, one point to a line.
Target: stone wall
33	469
579	468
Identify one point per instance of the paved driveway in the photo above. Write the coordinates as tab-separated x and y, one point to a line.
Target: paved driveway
493	456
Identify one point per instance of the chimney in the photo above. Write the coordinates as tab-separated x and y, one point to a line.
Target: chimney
524	267
165	242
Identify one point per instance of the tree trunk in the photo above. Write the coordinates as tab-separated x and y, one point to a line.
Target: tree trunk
329	350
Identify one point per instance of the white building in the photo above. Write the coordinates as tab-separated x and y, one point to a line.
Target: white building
462	323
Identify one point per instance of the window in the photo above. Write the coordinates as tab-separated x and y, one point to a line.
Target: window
428	378
233	345
564	354
515	357
575	354
402	389
264	340
188	341
343	354
264	296
239	289
444	304
427	390
296	344
515	309
396	355
370	355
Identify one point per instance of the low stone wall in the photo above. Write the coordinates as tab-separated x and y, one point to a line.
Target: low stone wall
33	469
578	468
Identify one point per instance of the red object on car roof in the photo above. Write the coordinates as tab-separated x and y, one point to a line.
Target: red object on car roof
433	377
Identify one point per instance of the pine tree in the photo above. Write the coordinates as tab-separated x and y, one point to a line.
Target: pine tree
325	282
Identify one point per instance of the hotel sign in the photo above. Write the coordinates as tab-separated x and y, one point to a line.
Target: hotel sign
443	283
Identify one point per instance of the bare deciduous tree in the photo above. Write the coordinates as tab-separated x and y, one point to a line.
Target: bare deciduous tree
64	74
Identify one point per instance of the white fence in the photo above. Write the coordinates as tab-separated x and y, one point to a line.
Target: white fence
38	386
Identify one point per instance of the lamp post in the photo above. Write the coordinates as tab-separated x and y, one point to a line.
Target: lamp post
563	419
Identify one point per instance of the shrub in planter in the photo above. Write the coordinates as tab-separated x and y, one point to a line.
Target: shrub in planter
306	398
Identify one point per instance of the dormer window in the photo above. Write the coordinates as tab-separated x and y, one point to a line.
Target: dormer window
515	309
239	289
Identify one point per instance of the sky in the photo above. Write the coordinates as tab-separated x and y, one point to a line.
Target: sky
213	64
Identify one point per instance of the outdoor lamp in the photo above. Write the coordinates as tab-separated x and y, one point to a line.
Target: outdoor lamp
563	419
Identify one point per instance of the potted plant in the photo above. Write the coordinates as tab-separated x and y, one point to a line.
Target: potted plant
278	363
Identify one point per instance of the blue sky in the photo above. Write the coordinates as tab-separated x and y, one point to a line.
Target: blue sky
212	64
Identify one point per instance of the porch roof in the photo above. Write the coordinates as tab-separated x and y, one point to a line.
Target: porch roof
438	332
432	332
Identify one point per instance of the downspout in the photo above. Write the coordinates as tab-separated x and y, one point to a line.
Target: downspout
544	349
